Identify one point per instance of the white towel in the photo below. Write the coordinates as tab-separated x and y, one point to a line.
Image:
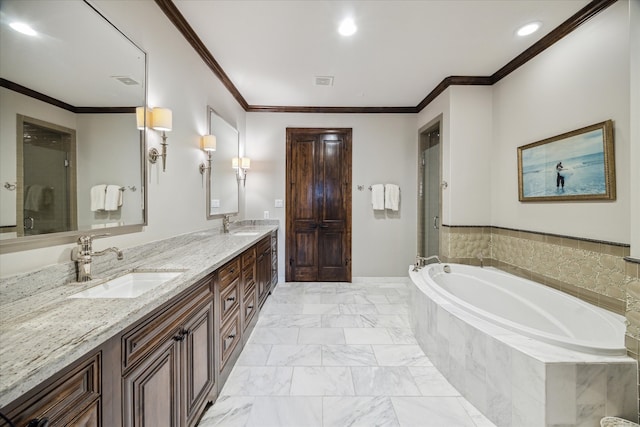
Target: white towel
34	197
98	193
113	198
377	197
391	197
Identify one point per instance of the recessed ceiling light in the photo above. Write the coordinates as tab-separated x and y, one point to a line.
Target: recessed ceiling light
527	29
23	28
347	27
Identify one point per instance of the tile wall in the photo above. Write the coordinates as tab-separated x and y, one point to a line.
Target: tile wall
594	271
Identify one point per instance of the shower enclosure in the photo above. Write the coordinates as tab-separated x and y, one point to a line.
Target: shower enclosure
429	191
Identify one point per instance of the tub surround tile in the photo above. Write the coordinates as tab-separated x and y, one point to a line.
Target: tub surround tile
542	383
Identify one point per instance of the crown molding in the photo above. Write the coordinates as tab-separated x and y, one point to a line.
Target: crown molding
580	17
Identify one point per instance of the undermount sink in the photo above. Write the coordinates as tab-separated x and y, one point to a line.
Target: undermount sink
245	233
130	285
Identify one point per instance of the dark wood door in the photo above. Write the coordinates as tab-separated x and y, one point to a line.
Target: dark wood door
318	232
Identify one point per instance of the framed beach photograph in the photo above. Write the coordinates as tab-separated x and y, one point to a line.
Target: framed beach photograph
577	165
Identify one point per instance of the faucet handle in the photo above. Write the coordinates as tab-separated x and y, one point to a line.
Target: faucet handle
88	238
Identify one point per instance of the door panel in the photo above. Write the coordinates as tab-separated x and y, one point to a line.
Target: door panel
318	236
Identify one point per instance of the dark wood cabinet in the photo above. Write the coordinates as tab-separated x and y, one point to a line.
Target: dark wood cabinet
165	368
167	381
263	267
70	399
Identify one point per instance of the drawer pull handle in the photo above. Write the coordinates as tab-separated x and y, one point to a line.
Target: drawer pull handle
232	336
231	299
251	307
233	270
42	422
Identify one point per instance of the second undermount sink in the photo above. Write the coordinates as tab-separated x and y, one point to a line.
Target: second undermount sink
130	285
245	233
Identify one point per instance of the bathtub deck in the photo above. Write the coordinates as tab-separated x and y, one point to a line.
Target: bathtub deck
338	354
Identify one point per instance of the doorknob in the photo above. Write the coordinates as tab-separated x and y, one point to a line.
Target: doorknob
435	222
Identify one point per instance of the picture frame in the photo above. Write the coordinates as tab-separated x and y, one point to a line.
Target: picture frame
577	165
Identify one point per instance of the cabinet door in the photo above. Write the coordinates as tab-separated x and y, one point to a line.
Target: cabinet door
64	400
198	362
151	389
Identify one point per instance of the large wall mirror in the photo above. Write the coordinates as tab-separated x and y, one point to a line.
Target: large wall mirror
222	191
72	157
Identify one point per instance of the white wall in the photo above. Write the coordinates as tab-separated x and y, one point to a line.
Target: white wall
101	140
178	79
581	80
384	151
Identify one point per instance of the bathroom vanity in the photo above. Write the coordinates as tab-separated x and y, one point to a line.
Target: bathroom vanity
156	359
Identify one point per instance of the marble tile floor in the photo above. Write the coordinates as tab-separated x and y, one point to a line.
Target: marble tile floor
338	354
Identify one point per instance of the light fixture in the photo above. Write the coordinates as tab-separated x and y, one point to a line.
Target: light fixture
161	120
143	117
208	144
242	166
23	28
529	28
347	27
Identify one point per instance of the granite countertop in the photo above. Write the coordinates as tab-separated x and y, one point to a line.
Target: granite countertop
42	330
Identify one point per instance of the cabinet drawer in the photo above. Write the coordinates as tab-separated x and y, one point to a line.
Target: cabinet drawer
249	257
264	246
229	338
229	301
66	399
229	273
249	307
248	278
148	335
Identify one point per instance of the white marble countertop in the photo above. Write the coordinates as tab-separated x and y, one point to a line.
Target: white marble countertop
42	331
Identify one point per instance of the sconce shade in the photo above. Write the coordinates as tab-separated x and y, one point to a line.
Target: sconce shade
235	163
162	119
140	117
208	142
245	163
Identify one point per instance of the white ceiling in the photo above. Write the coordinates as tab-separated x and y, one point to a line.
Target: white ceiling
272	50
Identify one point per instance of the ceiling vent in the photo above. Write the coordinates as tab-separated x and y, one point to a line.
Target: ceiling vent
323	80
126	80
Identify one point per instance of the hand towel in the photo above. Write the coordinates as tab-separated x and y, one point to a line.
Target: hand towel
113	198
377	197
98	193
34	197
391	197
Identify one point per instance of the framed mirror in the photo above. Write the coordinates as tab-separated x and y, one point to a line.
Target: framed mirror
222	184
70	82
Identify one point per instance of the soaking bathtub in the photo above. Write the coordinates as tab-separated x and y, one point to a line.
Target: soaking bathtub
523	353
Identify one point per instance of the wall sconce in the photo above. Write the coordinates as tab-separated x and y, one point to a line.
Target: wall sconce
143	117
208	144
242	166
161	120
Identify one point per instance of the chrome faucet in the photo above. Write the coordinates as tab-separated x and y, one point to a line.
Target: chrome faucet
226	222
83	254
422	261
